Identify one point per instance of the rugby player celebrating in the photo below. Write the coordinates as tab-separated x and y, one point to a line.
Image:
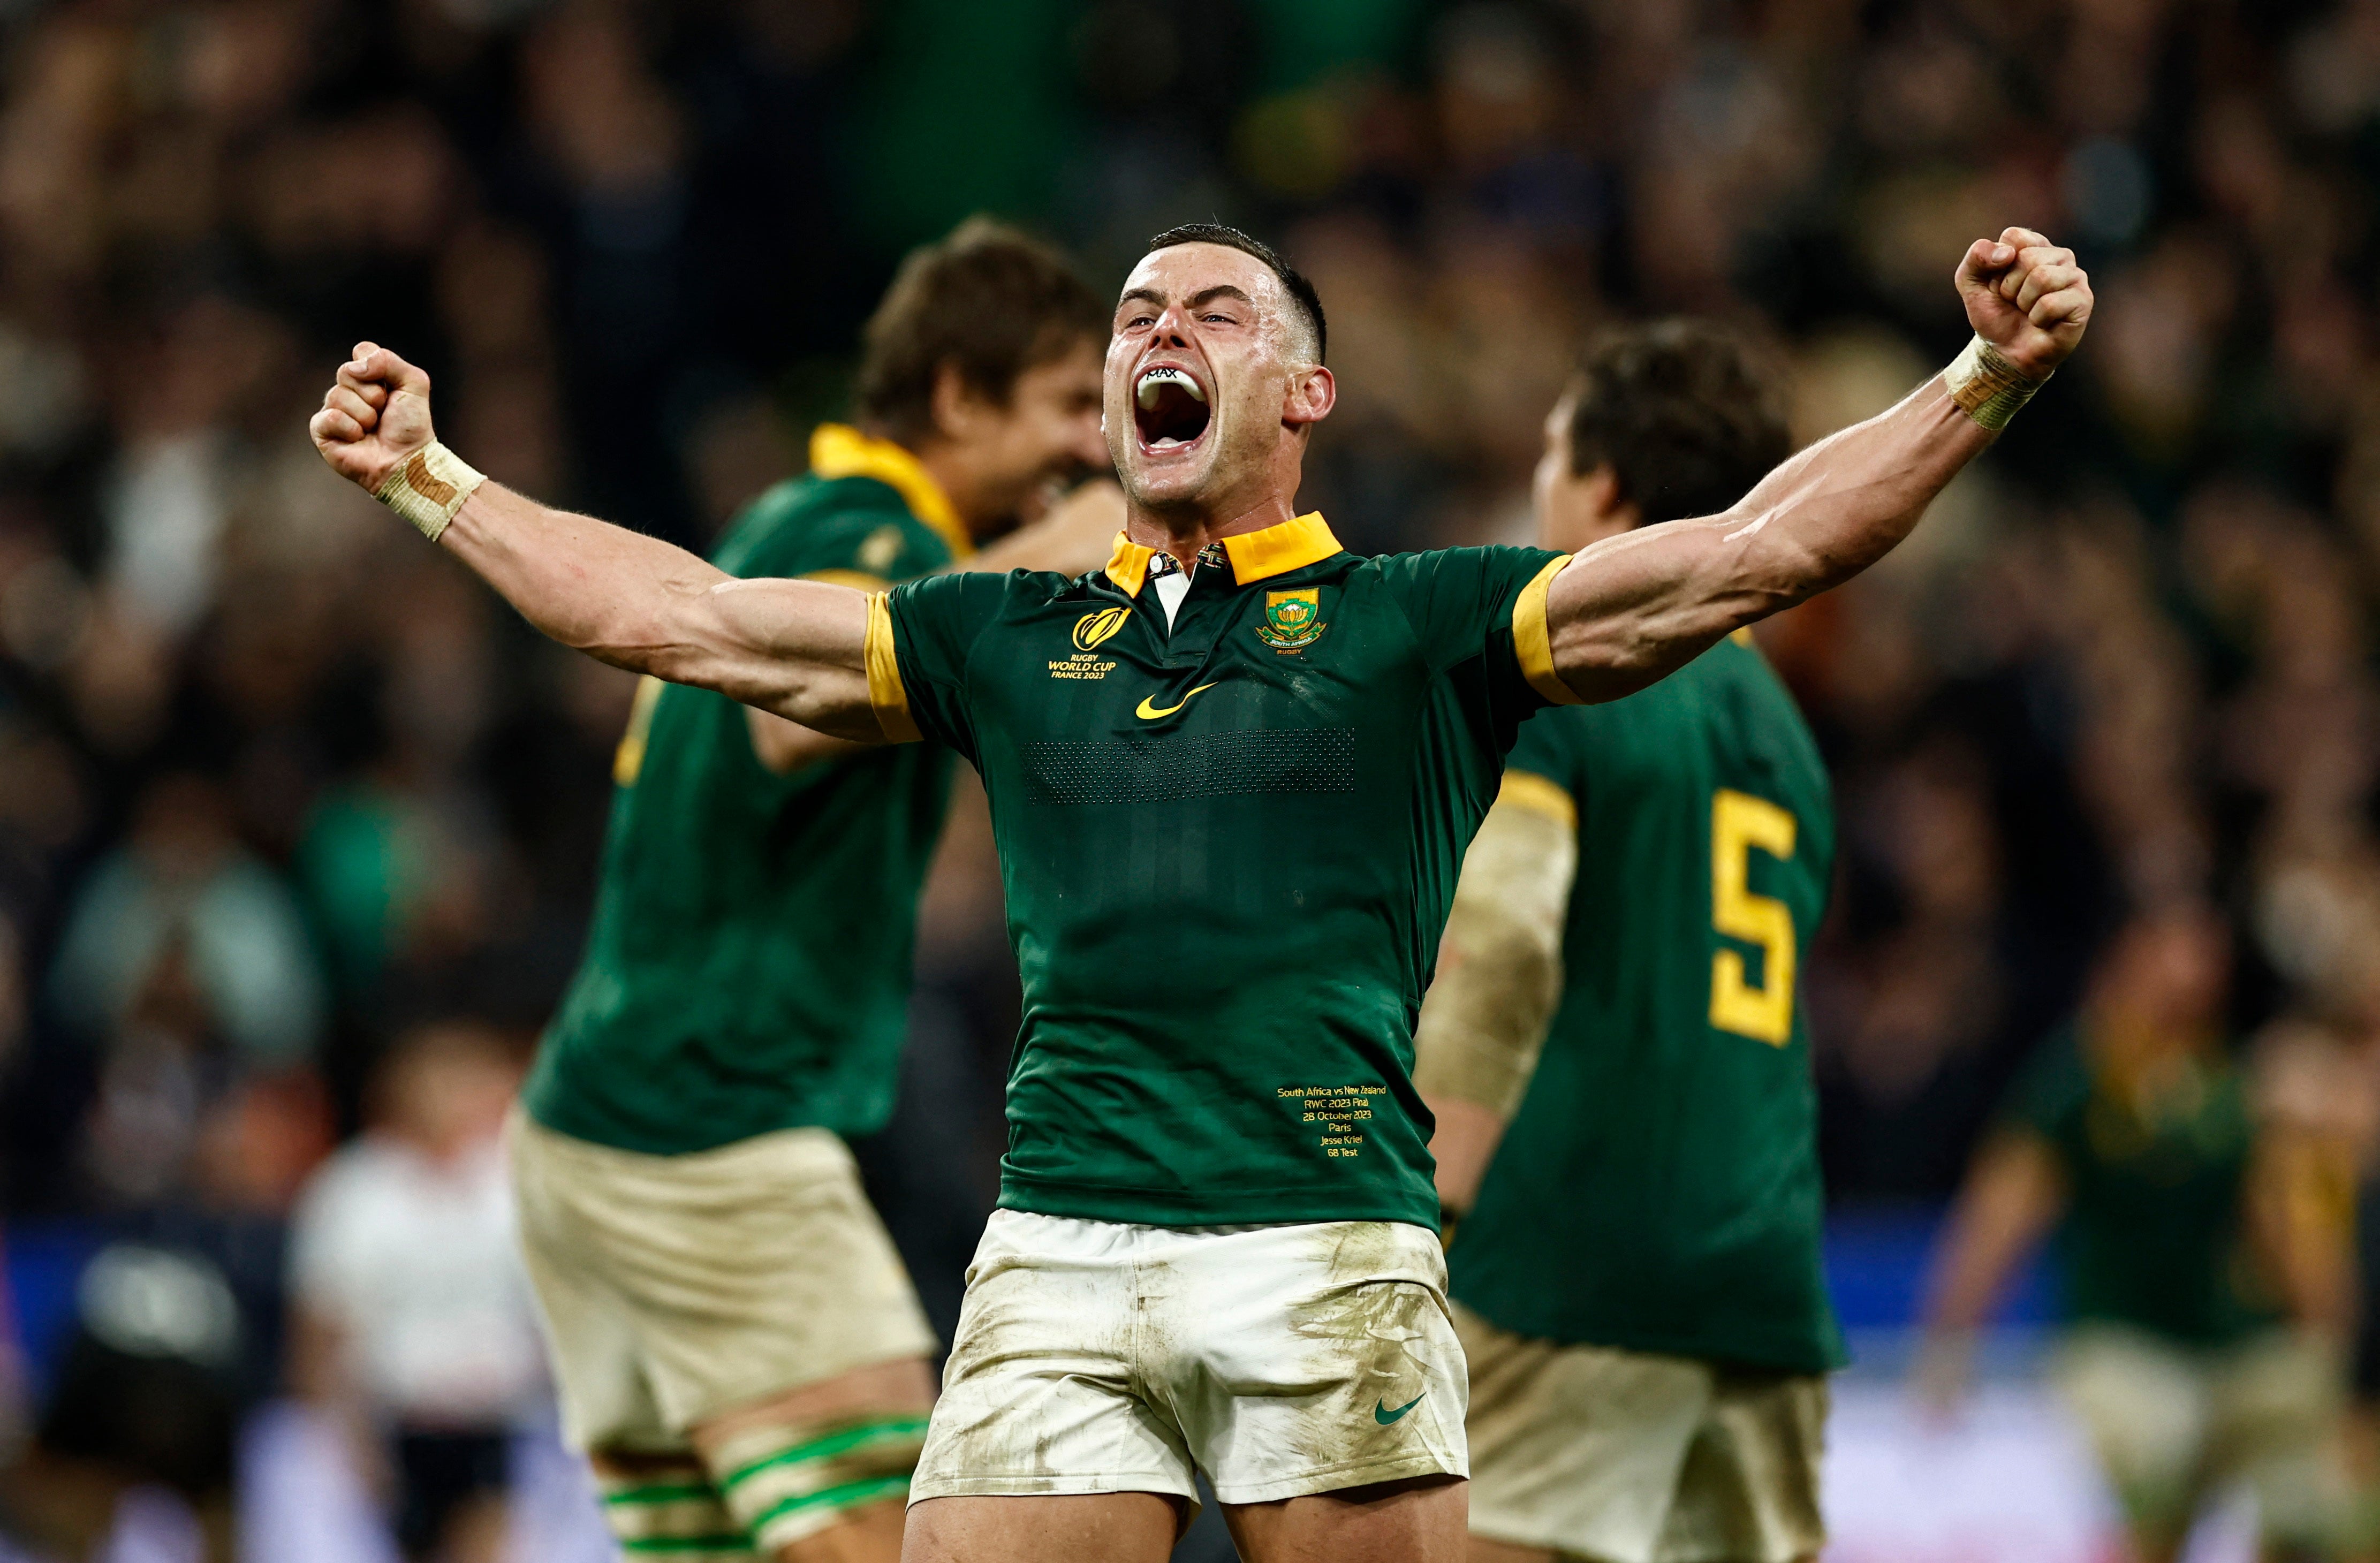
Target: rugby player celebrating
1638	1283
1232	776
739	1350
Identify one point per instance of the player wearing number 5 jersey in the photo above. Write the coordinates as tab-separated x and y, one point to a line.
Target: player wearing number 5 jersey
1637	1278
1228	834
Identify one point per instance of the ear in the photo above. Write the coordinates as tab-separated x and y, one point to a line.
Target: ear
1312	394
1579	509
958	407
1598	493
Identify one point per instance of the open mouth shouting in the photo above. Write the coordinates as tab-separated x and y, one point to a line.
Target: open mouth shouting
1170	408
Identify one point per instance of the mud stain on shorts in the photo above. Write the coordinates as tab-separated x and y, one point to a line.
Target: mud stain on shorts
1009	1435
1367	1335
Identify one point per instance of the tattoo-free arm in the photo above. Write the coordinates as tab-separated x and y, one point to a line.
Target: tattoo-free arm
1498	979
1637	606
1640	605
796	648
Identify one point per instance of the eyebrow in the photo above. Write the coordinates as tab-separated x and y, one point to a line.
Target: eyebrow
1204	296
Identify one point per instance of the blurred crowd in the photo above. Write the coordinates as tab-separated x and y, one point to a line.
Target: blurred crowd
279	787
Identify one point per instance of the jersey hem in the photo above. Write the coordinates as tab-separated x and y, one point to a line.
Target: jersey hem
541	1113
1769	1357
1151	1208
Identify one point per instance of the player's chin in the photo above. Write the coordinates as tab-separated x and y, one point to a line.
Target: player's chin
1170	473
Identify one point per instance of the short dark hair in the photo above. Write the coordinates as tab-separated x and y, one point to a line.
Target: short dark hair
987	299
1301	292
1681	414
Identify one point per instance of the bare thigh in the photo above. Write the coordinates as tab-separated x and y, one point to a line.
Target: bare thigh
870	1533
1085	1528
1420	1520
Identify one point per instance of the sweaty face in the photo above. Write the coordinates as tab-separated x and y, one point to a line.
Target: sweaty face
1199	376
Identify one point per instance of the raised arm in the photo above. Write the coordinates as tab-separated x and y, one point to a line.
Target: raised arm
1637	606
797	649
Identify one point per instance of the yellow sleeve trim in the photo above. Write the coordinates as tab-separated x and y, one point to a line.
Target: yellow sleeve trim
1539	795
884	689
1532	638
857	580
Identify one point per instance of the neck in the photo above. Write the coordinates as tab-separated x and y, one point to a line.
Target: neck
954	472
958	479
1266	496
1182	534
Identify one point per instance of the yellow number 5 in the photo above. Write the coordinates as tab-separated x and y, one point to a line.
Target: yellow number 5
1739	823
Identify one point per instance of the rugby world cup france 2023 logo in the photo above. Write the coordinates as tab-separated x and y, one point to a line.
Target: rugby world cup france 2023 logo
1093	628
1292	619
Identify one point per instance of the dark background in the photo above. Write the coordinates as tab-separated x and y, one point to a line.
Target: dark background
276	781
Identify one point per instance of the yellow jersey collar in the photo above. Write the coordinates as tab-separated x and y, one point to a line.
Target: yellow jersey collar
1128	565
1255	556
837	450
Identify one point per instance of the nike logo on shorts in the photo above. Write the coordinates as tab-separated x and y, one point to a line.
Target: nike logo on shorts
1383	1415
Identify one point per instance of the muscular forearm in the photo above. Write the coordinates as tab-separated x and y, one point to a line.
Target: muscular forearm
1833	510
1635	606
794	648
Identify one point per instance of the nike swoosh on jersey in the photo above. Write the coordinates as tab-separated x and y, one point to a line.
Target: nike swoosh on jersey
1381	1415
1148	713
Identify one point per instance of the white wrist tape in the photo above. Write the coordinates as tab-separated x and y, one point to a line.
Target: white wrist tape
430	488
1986	386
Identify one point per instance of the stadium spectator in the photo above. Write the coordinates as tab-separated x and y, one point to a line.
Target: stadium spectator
413	1325
183	905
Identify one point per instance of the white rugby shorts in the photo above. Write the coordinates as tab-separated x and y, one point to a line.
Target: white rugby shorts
675	1288
1633	1457
1098	1357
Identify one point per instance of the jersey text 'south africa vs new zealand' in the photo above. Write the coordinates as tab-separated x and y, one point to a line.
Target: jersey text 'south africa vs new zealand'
748	965
1658	1189
1229	848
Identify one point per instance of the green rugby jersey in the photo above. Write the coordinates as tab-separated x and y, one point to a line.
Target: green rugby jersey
747	969
1658	1189
1229	849
2154	1233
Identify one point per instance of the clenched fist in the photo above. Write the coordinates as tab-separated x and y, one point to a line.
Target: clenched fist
2027	298
374	418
